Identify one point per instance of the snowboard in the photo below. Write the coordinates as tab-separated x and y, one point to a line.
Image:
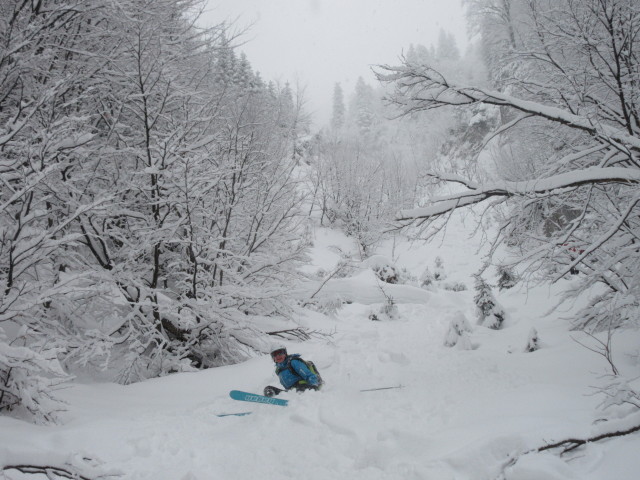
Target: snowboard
252	397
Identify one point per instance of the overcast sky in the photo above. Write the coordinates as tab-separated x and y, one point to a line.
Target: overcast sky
321	42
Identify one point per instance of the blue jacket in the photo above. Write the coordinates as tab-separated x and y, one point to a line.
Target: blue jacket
294	370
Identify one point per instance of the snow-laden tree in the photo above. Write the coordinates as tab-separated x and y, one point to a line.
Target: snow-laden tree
149	207
357	177
571	120
496	23
447	48
488	311
533	341
365	171
338	109
152	119
426	278
28	379
439	273
50	61
362	108
202	235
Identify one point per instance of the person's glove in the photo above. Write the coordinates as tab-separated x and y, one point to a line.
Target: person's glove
270	391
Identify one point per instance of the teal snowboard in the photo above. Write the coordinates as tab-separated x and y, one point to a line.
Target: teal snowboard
252	397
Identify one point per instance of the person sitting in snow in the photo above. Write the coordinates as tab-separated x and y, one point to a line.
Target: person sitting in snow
293	372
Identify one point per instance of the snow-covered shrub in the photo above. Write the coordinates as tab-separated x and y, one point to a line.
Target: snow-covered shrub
387	274
388	311
533	342
384	268
406	278
27	380
489	311
438	270
455	287
427	278
506	278
458	332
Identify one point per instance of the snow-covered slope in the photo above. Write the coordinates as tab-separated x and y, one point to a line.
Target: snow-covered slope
459	414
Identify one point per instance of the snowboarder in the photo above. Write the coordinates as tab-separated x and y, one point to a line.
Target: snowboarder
293	372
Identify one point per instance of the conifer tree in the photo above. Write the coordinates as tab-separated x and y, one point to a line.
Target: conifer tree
439	273
338	112
488	311
363	110
447	49
533	342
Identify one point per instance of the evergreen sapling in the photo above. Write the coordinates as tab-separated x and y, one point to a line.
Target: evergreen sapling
533	343
489	311
427	278
438	272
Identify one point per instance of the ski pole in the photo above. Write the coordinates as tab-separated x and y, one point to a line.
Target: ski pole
381	388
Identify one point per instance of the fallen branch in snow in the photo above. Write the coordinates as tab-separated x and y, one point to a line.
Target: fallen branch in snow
59	472
573	443
45	470
569	443
299	333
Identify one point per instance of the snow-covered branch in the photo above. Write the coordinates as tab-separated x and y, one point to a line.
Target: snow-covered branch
541	186
420	87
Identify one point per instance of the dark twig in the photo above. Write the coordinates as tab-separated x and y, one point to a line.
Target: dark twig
299	333
604	348
569	443
573	443
337	270
50	471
